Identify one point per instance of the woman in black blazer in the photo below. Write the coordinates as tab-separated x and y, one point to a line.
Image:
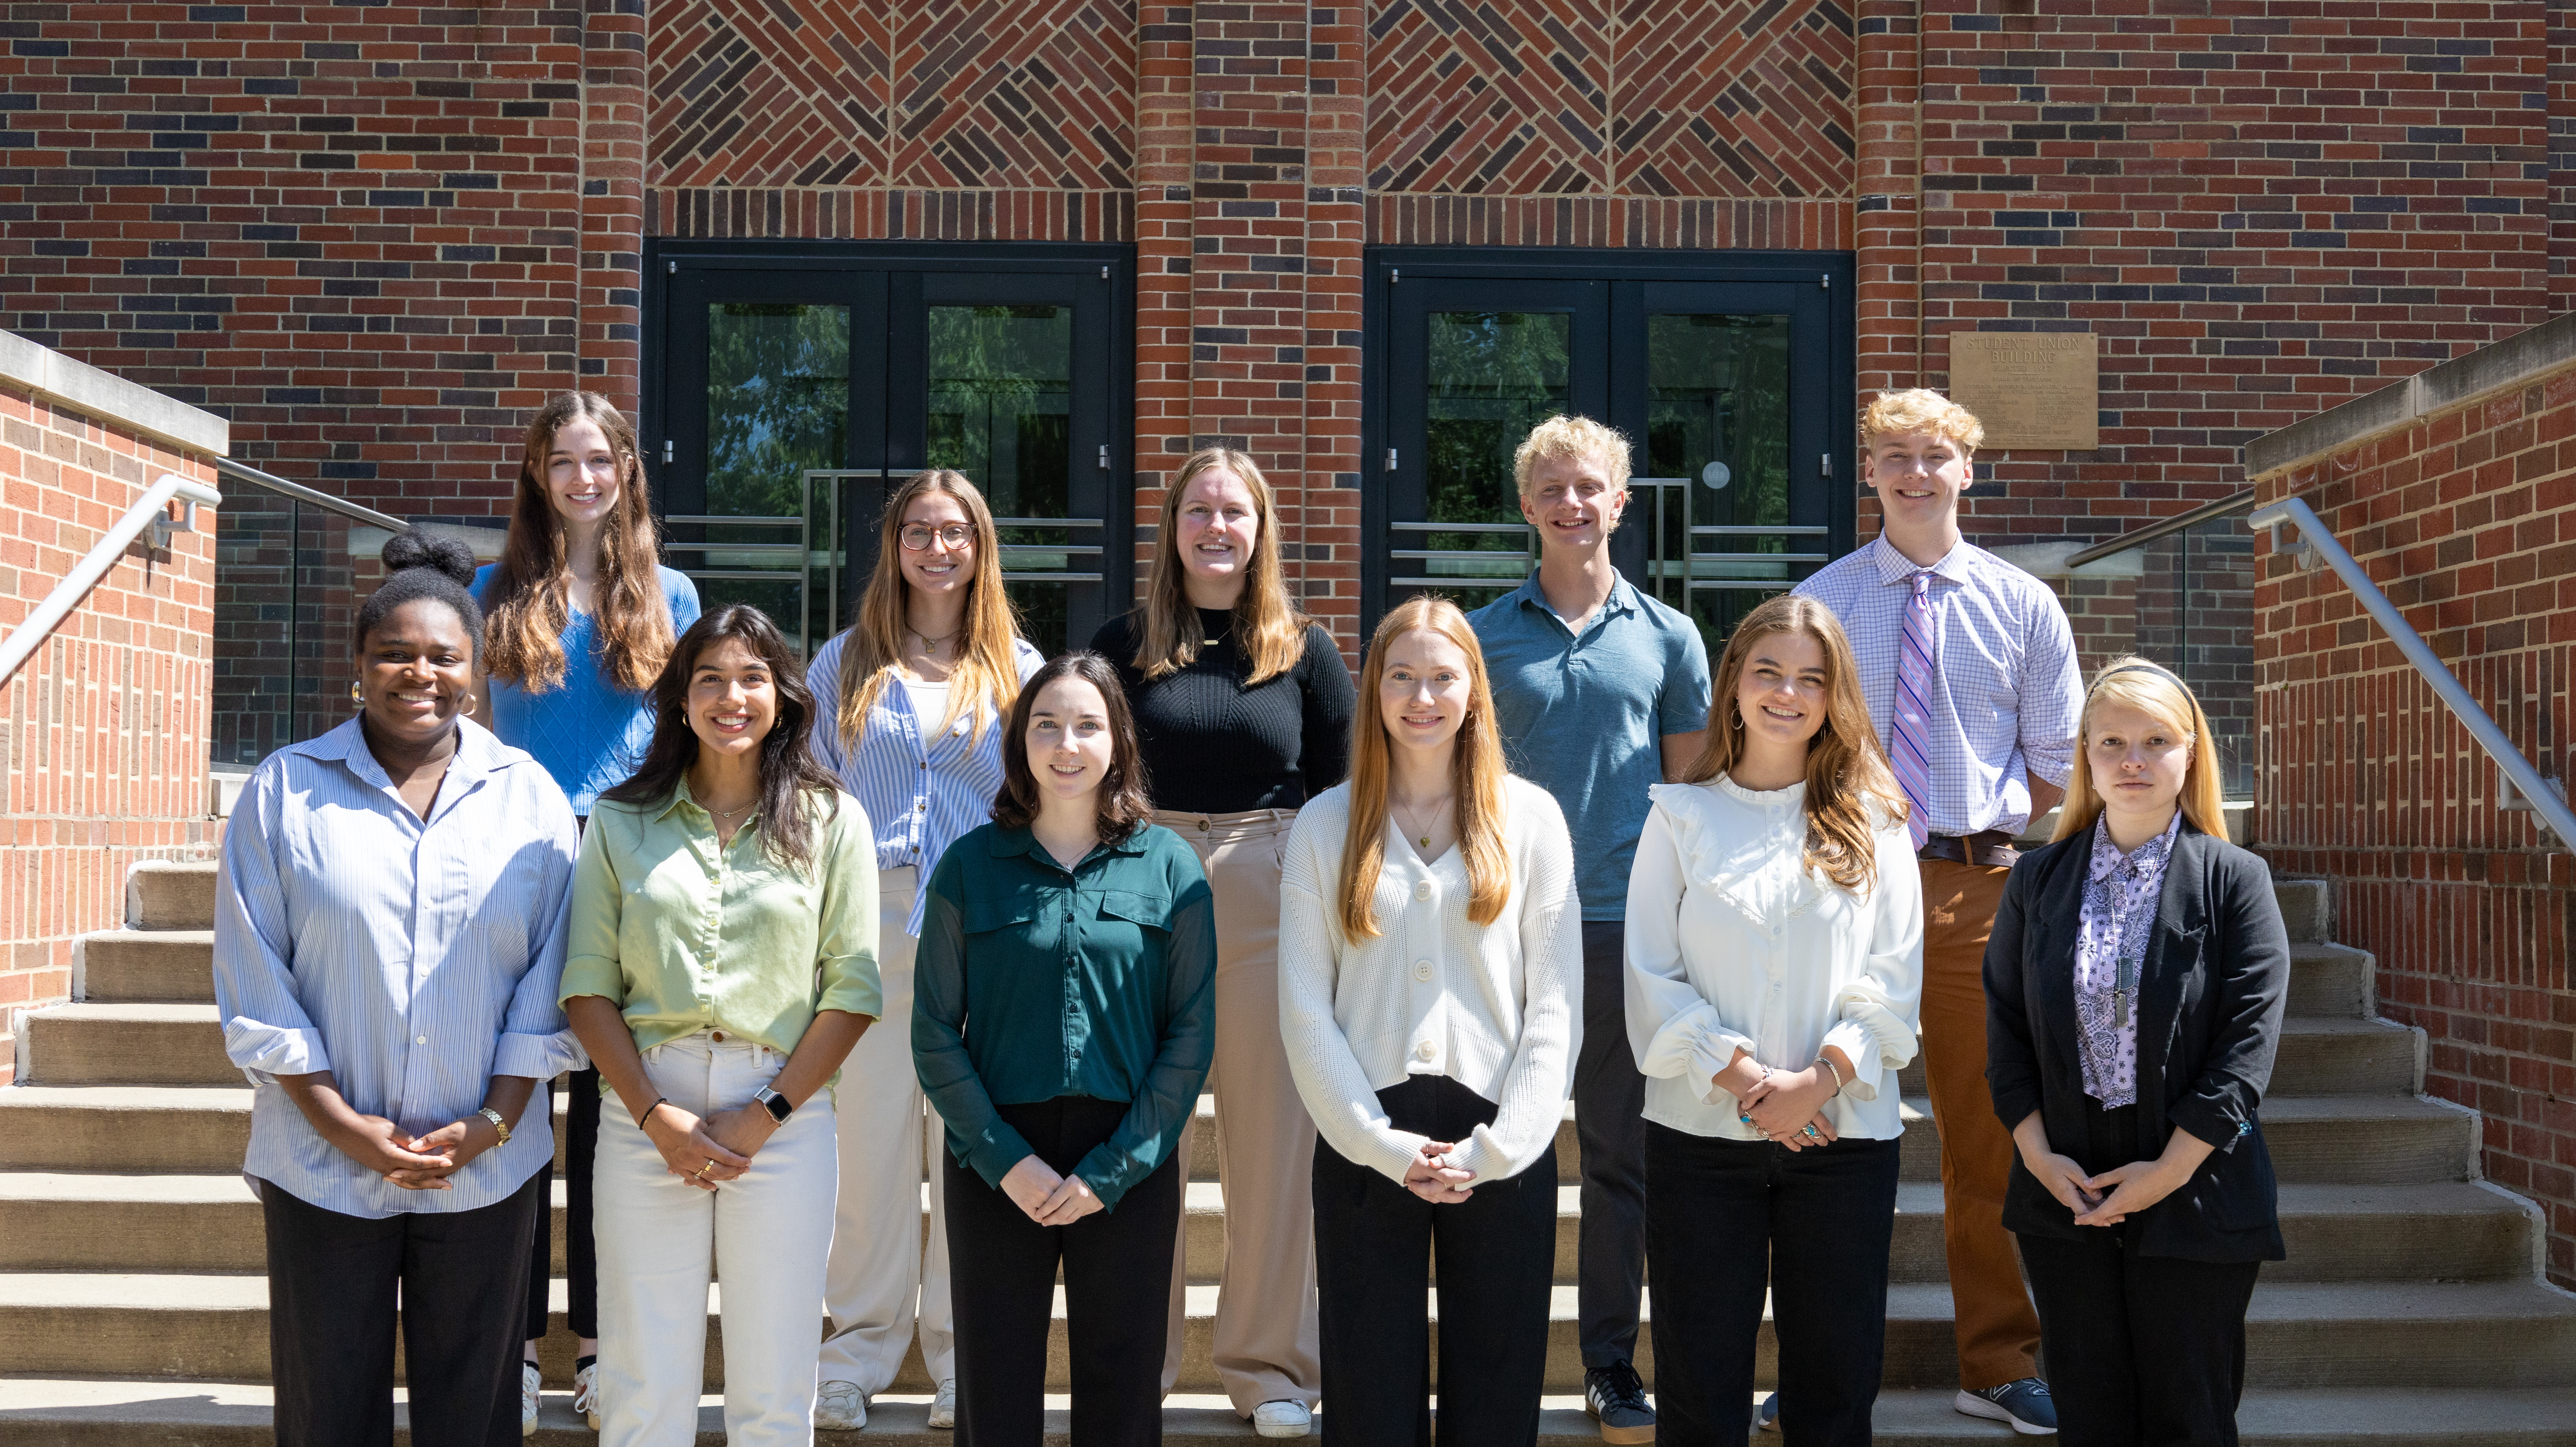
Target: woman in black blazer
2134	987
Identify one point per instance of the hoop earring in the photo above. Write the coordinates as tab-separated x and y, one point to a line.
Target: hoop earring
357	693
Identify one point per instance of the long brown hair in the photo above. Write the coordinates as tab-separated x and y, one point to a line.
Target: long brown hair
2152	690
1845	767
1477	772
1267	627
788	773
1122	804
986	674
531	593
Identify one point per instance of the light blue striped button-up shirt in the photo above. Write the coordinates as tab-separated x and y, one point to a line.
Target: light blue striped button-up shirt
922	794
412	959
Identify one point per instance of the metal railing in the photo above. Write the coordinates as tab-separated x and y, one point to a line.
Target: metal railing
150	513
2315	544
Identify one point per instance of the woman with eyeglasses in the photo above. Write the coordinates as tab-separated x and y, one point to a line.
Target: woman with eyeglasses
909	706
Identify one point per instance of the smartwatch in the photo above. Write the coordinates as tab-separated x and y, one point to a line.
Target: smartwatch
776	1104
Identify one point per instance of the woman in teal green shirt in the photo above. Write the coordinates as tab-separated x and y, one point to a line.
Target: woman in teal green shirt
1062	1025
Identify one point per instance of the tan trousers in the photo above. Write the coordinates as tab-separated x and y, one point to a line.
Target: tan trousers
1265	1348
1998	1331
882	1278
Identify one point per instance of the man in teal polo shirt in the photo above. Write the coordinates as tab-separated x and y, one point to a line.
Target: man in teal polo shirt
1601	692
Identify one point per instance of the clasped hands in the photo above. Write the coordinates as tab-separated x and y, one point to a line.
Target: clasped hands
1048	1198
1786	1106
1432	1176
710	1150
2111	1197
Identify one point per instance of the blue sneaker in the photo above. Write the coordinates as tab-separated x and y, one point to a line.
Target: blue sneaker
1767	1416
2025	1404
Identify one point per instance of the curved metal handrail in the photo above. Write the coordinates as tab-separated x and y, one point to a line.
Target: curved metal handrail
2161	528
2517	770
149	509
300	493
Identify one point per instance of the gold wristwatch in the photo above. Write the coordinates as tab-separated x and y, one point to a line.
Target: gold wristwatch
494	1116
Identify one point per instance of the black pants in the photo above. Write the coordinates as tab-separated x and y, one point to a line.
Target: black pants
581	1249
1727	1219
1374	1246
1609	1124
332	1291
2143	1351
1117	1289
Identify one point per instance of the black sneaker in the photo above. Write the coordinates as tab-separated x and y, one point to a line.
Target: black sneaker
1614	1395
1767	1416
2025	1404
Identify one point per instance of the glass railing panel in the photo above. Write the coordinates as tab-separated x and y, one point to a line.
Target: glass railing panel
286	594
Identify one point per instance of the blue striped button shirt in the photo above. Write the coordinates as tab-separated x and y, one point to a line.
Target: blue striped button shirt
2006	689
922	793
412	959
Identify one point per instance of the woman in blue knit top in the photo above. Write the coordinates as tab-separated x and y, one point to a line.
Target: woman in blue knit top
579	619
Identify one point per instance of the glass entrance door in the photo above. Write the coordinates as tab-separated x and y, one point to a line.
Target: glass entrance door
1733	390
797	388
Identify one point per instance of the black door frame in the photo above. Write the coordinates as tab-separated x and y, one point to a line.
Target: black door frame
1108	266
1626	274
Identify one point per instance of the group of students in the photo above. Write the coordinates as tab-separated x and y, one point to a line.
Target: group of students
1537	855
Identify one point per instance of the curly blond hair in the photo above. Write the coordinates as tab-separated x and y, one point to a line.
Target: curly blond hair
1919	409
1564	436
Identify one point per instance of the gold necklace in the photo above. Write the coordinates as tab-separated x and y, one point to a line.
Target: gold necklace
1424	842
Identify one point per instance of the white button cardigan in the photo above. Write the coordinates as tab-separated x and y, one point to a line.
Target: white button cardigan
1493	1007
1732	944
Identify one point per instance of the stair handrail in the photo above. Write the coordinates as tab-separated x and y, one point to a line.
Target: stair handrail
2518	771
354	512
2161	528
150	511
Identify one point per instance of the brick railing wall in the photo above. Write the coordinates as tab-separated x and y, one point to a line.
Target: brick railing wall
2462	508
103	730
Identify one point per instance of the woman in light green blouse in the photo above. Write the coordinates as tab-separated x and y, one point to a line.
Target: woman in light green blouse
722	963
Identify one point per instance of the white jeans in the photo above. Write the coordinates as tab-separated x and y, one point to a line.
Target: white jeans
659	1240
882	1276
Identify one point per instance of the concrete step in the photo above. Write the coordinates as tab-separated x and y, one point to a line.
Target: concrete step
59	1412
2307	908
2341	1056
2329	979
127	1045
138	1129
2502	1334
163	894
146	967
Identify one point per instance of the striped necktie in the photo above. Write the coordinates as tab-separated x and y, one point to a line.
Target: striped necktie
1911	756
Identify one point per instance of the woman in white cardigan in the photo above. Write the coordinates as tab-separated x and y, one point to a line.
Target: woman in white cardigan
1775	970
1429	952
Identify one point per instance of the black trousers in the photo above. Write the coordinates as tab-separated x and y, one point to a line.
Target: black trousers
1375	1243
1609	1124
2143	1351
1726	1220
581	1249
1117	1268
334	1282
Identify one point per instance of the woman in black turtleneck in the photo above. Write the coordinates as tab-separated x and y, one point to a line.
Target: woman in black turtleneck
1243	710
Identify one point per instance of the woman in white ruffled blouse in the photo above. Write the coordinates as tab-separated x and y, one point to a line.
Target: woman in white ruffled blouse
1775	967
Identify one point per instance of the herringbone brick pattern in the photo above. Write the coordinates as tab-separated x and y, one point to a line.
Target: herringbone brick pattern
1505	97
757	94
1744	98
1016	93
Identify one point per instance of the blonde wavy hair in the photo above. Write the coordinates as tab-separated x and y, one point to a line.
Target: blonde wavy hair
986	675
1477	772
1845	767
1562	436
1920	409
1267	627
2152	690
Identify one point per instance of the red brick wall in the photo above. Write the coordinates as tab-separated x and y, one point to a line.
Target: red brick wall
2467	520
103	728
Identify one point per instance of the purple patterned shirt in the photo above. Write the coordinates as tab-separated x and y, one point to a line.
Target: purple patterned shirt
2120	893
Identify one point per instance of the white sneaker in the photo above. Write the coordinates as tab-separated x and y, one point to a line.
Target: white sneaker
840	1407
943	1408
585	1394
530	1382
1282	1419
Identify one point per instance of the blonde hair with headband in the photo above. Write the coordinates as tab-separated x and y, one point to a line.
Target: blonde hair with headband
2152	690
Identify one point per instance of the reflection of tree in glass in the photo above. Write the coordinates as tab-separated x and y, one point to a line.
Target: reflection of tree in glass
1718	391
1000	399
778	389
1493	376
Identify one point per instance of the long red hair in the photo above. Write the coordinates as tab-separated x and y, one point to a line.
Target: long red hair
530	602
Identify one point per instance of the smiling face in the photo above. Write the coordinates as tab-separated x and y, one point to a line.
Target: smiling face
1784	693
1918	477
2137	762
1216	528
733	699
415	671
1071	746
945	561
1571	501
1424	690
583	484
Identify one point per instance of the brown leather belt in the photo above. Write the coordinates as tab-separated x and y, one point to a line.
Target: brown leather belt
1990	848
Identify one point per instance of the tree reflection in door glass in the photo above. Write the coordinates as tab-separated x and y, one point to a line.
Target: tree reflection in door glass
1492	377
1001	393
778	402
1717	414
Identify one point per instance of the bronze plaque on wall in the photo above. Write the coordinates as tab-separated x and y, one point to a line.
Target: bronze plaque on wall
2032	390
